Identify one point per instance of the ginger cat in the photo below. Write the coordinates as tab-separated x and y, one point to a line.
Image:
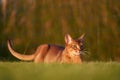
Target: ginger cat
53	53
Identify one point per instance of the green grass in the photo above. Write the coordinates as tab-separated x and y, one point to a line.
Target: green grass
85	71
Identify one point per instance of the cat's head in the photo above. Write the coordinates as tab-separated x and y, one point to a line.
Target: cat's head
74	47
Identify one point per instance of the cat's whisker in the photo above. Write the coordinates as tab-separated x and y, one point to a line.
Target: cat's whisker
85	52
81	52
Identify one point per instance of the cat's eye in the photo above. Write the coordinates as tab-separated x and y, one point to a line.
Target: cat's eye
81	47
74	46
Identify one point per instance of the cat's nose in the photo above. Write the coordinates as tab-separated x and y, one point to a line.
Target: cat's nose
78	52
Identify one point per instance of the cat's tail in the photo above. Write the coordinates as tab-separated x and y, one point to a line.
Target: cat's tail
18	55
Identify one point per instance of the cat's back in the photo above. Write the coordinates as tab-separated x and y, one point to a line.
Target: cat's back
55	48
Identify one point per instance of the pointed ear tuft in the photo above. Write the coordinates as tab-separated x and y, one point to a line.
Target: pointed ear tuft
81	37
68	39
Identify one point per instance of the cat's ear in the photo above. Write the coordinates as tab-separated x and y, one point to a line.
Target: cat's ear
81	38
68	39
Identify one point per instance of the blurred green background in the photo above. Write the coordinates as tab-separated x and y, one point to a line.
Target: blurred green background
29	23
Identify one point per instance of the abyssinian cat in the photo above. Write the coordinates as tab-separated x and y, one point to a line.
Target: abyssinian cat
53	53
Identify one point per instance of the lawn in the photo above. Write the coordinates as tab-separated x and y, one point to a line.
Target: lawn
42	71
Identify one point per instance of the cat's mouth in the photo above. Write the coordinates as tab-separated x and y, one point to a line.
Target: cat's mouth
77	53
